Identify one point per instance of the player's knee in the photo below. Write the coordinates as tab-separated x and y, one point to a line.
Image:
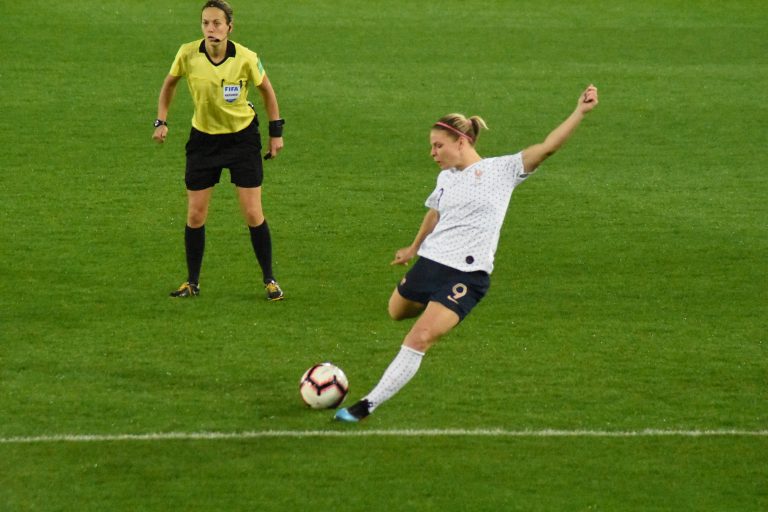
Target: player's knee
421	339
394	308
395	313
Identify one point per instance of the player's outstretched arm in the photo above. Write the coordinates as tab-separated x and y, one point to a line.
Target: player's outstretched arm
536	154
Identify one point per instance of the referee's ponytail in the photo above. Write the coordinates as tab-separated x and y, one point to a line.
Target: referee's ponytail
461	126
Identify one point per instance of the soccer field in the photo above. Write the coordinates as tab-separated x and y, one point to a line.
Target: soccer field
618	362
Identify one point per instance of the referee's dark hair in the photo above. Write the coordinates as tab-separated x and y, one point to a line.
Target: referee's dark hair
220	4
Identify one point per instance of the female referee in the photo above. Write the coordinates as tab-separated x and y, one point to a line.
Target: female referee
225	133
457	240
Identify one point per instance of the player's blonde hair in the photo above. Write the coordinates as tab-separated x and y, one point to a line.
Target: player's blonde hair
459	125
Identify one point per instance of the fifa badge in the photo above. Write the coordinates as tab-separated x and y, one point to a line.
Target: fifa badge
231	93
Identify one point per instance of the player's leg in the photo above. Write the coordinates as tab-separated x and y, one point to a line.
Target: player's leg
400	308
194	240
412	294
261	239
436	321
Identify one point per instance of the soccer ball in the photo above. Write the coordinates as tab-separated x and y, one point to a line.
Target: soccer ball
324	386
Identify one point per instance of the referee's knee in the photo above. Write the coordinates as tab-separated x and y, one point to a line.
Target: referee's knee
254	217
196	217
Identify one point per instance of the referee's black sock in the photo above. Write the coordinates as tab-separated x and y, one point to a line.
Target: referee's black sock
262	246
194	243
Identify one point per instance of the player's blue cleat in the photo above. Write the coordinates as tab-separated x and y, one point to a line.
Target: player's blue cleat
345	416
354	413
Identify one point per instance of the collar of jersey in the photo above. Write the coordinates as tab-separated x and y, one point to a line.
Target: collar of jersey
456	169
230	51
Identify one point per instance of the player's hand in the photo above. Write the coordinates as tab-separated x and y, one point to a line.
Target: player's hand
403	256
161	132
588	99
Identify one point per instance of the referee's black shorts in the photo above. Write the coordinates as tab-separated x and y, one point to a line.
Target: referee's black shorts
459	291
239	152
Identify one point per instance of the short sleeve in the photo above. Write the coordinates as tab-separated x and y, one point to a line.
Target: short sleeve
178	67
512	168
257	71
433	201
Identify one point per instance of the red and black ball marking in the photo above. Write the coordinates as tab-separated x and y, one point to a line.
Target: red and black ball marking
320	387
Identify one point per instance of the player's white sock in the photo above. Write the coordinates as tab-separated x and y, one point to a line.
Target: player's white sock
401	370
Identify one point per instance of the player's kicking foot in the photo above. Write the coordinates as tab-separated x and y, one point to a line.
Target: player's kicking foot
187	290
274	292
354	413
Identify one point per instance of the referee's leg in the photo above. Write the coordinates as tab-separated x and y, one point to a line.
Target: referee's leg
261	238
194	234
197	206
250	205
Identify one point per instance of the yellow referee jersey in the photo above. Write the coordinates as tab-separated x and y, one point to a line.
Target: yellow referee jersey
219	91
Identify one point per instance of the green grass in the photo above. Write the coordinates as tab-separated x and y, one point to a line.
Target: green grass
568	474
630	288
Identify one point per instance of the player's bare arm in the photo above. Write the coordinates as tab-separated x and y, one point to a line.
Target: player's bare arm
406	254
536	154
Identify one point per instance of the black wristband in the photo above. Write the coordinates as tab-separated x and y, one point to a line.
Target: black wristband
276	128
159	122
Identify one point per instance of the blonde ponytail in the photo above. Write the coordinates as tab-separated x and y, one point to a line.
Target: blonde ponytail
461	126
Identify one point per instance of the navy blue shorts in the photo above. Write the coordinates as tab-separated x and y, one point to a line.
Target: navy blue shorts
239	152
459	291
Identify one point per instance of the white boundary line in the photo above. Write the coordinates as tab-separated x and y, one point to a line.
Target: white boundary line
188	436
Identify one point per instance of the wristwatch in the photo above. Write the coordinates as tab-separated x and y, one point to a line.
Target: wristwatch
160	122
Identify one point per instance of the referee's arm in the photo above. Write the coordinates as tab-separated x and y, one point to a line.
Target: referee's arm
167	92
269	98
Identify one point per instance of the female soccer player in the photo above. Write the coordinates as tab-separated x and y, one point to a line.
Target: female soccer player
457	240
225	133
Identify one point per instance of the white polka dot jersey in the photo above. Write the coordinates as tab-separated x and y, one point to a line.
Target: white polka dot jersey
472	204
